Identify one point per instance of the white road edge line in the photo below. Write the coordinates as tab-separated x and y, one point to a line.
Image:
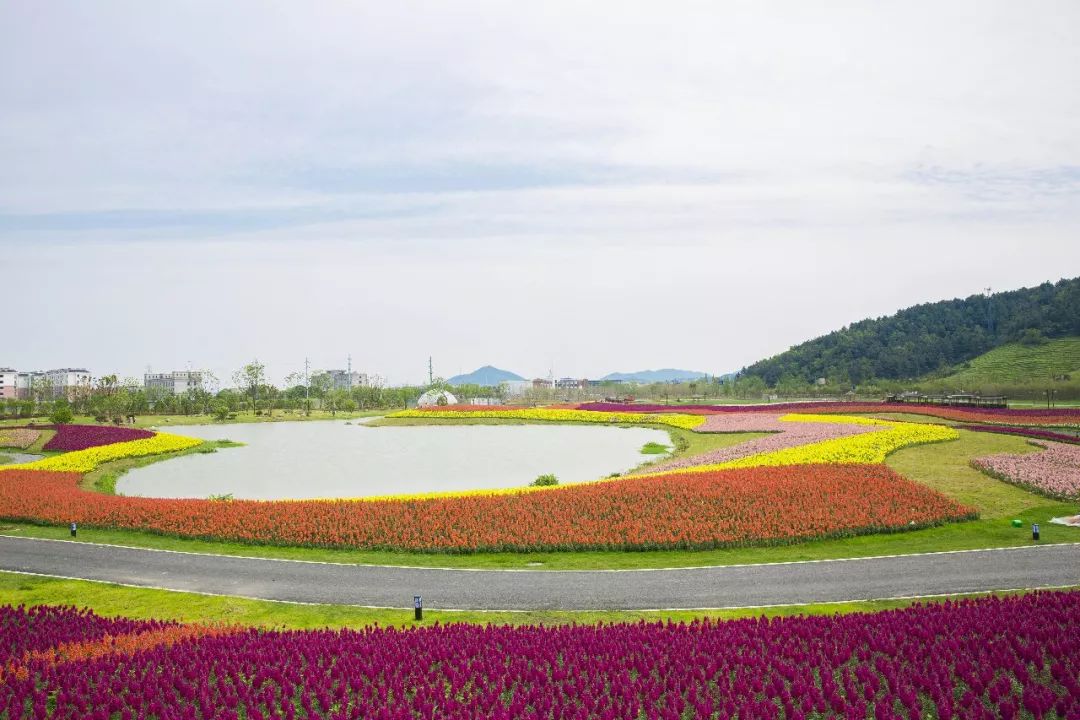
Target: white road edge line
932	596
529	570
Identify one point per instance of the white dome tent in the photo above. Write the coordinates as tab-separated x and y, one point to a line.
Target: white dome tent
433	398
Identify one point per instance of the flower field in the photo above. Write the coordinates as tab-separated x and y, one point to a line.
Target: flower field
689	510
1028	432
686	422
81	437
20	438
1015	657
868	447
23	632
1055	471
1063	417
83	461
818	476
785	433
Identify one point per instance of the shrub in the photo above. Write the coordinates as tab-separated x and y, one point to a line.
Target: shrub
545	480
61	414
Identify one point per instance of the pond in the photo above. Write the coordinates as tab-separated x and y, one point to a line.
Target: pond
331	459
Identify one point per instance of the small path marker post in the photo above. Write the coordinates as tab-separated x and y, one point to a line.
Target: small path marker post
418	607
74	529
1035	532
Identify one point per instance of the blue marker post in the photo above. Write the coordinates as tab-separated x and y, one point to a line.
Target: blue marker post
418	607
74	529
1035	532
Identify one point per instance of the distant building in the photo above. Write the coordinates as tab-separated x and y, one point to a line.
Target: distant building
174	383
55	384
567	383
24	382
8	387
345	380
68	382
541	383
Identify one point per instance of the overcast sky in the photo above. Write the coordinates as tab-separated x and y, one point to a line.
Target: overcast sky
595	187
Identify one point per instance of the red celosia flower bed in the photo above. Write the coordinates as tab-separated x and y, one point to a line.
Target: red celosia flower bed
990	658
1028	432
695	510
1025	416
80	437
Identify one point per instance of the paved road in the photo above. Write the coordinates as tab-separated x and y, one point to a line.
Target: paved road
711	587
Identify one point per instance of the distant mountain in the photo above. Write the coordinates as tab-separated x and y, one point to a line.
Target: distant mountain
653	376
487	375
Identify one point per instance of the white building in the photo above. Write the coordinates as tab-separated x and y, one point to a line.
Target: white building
24	382
58	383
68	382
174	383
8	384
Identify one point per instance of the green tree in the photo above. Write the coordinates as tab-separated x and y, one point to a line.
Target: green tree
220	409
61	413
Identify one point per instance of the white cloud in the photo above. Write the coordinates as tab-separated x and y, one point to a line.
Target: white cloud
600	185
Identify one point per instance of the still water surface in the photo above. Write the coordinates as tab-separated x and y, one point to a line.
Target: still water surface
332	459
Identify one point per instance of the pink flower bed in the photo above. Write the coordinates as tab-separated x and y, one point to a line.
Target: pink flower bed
784	435
80	437
1055	471
18	437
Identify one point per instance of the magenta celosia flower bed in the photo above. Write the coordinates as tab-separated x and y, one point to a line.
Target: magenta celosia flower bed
80	437
1054	471
986	658
1034	433
784	435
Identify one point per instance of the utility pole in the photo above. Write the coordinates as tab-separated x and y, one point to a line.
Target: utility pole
307	388
349	371
430	372
989	313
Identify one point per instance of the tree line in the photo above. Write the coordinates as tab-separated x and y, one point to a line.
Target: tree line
927	339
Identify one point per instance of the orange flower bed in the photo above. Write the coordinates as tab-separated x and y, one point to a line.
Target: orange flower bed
763	505
127	644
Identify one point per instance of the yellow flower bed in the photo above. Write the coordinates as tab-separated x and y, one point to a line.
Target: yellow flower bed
83	461
866	449
685	422
835	419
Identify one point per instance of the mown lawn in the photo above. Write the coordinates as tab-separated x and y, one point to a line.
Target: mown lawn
116	600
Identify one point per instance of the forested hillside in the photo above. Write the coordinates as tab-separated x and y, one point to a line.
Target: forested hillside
930	338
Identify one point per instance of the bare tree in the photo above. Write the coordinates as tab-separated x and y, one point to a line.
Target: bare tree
249	378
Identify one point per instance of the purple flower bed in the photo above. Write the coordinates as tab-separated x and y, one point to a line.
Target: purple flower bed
784	435
986	658
40	628
80	437
1035	433
1055	471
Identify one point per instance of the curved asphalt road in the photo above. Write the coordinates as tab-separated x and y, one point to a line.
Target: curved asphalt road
708	587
